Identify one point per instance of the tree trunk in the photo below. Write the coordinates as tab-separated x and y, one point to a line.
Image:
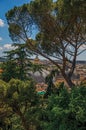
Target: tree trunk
68	80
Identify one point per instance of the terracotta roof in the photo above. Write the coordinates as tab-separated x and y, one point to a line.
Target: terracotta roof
1	70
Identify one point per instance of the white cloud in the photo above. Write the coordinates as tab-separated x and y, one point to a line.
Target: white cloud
6	47
9	47
82	47
1	48
0	38
1	23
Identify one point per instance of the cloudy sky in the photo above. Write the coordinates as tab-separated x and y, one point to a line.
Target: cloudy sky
5	5
5	41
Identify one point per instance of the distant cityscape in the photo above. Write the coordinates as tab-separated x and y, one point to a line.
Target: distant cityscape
78	76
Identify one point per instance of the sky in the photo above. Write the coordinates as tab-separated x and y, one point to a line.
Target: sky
5	41
5	5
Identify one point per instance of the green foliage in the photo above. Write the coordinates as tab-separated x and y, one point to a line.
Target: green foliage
5	110
66	110
20	91
16	123
2	88
59	30
17	63
36	67
19	25
9	70
50	83
21	102
22	108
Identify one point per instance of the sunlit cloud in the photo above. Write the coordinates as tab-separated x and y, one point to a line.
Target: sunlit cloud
6	47
2	23
82	47
1	48
9	47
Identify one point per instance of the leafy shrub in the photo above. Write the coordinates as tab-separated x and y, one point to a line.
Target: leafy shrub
66	110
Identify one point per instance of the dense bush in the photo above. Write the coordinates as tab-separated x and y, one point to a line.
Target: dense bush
21	108
66	110
20	104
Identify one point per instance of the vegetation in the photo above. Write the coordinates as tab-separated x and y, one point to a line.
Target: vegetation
23	109
61	31
66	110
20	101
17	63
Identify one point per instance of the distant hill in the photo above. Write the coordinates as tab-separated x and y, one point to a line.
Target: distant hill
81	62
48	62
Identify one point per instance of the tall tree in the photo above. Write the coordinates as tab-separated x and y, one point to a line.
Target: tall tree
19	105
17	64
5	110
61	26
9	70
21	57
24	101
